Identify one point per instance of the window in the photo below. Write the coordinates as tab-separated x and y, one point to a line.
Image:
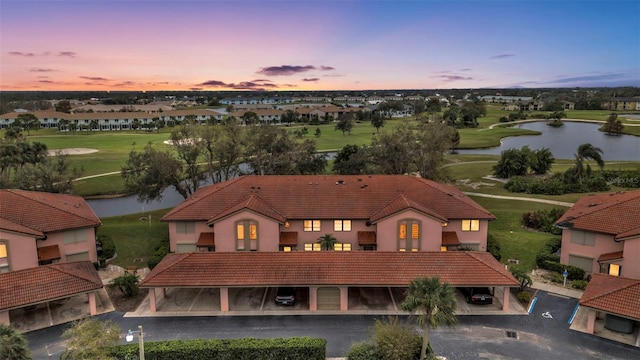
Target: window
443	248
4	258
183	248
78	257
583	263
409	235
611	269
470	225
342	225
342	247
312	247
583	237
311	225
184	227
286	248
246	235
76	236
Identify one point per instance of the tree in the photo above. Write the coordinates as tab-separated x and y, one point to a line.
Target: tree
147	173
512	162
52	174
390	152
433	106
250	118
351	160
450	116
189	147
327	241
557	117
541	161
522	275
377	120
613	126
28	121
432	304
90	339
317	133
586	152
223	147
127	284
470	112
345	123
64	106
290	117
93	124
13	345
63	124
433	140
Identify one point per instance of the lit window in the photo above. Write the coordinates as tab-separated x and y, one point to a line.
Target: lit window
286	248
311	225
3	251
342	247
409	242
246	235
443	248
342	225
471	225
312	247
614	269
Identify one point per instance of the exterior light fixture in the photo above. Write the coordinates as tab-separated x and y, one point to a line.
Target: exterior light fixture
129	338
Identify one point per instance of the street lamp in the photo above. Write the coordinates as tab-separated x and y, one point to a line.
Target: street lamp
129	338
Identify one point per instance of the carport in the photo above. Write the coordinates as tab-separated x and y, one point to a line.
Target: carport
50	294
334	281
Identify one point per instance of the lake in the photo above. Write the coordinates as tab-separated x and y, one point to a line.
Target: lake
564	141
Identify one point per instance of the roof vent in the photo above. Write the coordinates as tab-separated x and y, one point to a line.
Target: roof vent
593	204
340	182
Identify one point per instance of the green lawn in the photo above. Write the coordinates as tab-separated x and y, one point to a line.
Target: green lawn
515	241
135	238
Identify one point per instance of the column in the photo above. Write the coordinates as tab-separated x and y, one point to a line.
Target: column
92	303
224	299
313	298
505	298
344	298
591	321
4	317
152	300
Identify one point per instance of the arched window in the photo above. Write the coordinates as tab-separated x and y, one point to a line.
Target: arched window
409	235
246	235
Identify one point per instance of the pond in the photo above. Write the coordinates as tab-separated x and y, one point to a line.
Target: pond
564	141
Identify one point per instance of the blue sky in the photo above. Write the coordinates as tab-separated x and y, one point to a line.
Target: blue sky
317	45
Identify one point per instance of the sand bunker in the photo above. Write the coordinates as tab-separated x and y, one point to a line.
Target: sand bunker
72	151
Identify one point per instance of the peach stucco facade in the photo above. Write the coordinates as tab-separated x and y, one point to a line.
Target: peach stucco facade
268	232
22	249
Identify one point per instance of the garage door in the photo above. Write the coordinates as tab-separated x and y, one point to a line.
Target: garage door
583	263
328	298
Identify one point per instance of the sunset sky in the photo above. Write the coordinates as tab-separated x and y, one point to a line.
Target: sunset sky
317	45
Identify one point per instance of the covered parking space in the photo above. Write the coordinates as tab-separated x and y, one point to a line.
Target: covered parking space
53	294
610	308
325	281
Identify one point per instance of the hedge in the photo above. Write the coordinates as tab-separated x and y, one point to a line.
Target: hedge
574	273
297	348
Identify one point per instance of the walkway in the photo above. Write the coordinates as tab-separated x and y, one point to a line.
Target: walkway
503	197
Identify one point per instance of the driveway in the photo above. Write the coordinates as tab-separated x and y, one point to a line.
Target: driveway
476	337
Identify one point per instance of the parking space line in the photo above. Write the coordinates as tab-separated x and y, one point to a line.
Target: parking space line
533	304
195	298
264	297
573	315
392	299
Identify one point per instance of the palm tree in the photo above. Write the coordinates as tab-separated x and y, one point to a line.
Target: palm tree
327	241
432	303
586	152
13	345
127	283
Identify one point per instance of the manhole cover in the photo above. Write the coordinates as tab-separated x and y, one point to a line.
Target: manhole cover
512	334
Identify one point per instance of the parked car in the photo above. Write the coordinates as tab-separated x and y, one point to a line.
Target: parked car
477	295
285	296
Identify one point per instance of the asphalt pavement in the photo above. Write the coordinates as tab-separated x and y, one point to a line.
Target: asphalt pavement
476	337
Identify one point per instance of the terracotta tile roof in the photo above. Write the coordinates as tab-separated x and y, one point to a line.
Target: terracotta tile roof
365	268
367	238
613	213
613	294
43	283
450	238
327	197
45	212
9	225
46	253
206	239
253	203
289	238
400	203
611	256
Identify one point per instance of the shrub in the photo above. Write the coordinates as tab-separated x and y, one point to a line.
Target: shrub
579	284
554	277
127	283
517	184
524	297
219	349
543	220
362	351
573	272
108	248
493	247
395	340
160	252
548	252
522	276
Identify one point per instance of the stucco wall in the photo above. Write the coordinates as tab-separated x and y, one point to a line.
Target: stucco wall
603	244
225	232
326	227
70	249
631	262
21	250
478	238
430	232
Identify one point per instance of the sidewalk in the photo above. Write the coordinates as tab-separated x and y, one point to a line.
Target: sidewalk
557	289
